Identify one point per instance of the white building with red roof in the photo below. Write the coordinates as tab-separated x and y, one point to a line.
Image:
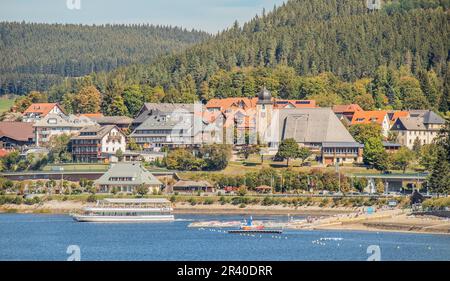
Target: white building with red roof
37	111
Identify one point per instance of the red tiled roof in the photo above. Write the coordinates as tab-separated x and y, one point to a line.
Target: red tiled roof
227	103
279	103
398	114
247	103
20	131
89	115
367	117
41	108
350	108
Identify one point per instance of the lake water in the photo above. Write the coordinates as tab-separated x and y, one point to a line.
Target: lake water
47	237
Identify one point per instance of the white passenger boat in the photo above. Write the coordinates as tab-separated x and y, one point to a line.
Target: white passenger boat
127	210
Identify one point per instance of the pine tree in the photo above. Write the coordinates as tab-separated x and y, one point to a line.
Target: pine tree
439	180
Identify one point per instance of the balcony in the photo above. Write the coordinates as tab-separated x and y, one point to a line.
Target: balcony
114	138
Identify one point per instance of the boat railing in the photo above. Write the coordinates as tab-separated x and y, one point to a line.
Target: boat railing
135	206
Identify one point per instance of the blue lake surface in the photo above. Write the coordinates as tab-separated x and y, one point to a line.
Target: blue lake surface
47	237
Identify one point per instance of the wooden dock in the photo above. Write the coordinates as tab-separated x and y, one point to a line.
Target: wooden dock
256	231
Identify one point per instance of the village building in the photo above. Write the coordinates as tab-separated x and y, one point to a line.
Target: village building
126	178
96	143
121	122
264	189
92	115
379	117
164	110
229	104
55	125
318	129
16	135
37	111
346	111
137	156
175	130
391	147
185	186
421	125
394	115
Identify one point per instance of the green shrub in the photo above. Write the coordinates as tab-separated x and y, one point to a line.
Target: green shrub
37	200
267	201
92	198
28	201
208	201
324	202
17	200
192	201
436	203
240	200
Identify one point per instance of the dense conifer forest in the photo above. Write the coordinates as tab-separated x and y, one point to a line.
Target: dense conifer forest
36	56
335	51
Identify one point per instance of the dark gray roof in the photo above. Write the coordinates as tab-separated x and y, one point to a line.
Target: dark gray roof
313	125
165	123
122	120
142	117
432	118
100	132
150	109
429	116
411	123
264	96
418	121
392	144
342	144
169	107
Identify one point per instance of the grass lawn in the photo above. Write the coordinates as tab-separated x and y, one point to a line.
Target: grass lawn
78	167
6	103
239	168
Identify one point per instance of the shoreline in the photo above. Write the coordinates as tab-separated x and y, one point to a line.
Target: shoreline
400	223
338	219
67	207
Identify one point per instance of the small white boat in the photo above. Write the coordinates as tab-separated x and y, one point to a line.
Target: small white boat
127	210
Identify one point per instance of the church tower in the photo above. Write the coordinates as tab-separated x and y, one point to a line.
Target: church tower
264	113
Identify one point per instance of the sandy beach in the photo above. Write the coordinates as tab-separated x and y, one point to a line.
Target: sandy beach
397	223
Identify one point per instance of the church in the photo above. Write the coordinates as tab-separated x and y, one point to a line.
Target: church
316	128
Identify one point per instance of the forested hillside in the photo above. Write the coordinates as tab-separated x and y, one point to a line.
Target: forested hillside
35	56
335	51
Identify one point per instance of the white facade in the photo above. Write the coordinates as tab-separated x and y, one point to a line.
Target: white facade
113	141
423	126
36	116
56	125
407	138
385	126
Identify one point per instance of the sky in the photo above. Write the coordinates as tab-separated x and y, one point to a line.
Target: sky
207	15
